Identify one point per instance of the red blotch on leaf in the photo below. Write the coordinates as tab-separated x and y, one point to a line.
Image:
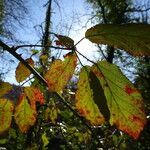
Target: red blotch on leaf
129	90
140	121
82	112
98	74
20	98
39	96
58	43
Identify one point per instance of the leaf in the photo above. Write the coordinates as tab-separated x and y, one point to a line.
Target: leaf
22	72
85	100
133	38
44	59
34	95
25	115
60	72
64	41
45	139
6	112
51	114
34	51
125	103
4	141
5	87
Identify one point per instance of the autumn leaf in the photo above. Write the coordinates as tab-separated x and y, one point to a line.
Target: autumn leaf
60	72
125	103
34	95
85	99
6	112
44	59
25	115
5	87
22	72
64	41
133	38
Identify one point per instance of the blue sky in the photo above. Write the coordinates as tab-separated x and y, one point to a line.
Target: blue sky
62	16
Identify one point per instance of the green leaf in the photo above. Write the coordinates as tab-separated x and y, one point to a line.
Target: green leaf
6	112
3	141
22	72
25	116
133	38
60	72
125	103
45	140
4	88
64	41
51	114
85	99
34	51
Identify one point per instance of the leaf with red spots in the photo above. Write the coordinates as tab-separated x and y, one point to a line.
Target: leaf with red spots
125	103
4	88
25	115
133	38
22	72
34	95
6	112
64	41
129	90
60	72
85	99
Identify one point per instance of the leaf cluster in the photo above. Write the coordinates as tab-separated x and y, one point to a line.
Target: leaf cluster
103	96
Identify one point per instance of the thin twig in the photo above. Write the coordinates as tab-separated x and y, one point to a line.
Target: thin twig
85	57
36	45
26	81
79	42
79	59
102	51
138	10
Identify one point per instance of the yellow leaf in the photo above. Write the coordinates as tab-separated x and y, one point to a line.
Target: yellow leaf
4	88
85	99
22	72
60	72
6	112
25	116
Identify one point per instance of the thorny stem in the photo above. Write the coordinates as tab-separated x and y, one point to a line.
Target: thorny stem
12	51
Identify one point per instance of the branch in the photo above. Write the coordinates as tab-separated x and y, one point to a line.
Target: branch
36	45
12	51
102	51
103	11
110	53
138	10
85	57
